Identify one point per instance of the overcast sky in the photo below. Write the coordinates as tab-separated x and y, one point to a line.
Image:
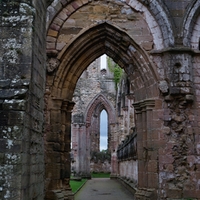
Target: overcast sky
103	130
104	116
103	61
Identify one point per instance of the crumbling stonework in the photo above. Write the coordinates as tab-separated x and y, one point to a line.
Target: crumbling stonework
22	84
155	42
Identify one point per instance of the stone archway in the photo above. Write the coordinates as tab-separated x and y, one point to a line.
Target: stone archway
92	43
189	27
130	32
85	131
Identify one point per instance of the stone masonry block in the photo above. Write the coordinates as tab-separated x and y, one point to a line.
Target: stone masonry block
85	1
174	193
55	27
14	104
52	33
77	4
152	166
153	181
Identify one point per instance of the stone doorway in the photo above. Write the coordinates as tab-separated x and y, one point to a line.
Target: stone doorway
66	64
95	91
155	42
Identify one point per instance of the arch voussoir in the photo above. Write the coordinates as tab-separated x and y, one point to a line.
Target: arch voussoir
98	40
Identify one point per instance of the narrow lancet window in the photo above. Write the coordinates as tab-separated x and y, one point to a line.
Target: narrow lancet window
103	130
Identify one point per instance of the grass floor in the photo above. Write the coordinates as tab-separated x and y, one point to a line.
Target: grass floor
75	185
100	175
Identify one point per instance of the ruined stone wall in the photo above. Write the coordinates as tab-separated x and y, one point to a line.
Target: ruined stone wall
128	170
126	154
93	82
127	158
125	109
22	79
156	42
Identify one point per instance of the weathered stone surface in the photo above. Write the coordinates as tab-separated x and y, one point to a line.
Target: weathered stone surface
153	41
52	64
163	86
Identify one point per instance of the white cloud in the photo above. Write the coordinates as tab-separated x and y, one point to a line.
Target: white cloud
103	61
103	142
104	123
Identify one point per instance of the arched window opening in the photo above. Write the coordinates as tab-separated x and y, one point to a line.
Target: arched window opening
95	97
103	64
104	61
103	130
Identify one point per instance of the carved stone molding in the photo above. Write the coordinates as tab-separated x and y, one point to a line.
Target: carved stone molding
67	105
52	64
144	105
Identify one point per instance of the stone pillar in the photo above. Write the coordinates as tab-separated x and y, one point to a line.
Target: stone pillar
144	121
22	80
75	148
81	148
57	147
83	166
53	140
86	147
65	172
113	150
178	156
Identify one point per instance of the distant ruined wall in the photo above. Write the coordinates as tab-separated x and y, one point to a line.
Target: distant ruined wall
93	82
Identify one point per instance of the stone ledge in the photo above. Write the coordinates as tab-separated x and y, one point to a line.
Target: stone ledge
128	185
76	178
145	194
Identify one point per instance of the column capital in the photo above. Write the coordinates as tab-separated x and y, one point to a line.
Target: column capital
144	105
67	105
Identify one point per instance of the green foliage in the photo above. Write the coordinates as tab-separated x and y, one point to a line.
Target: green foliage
116	70
102	156
189	199
75	185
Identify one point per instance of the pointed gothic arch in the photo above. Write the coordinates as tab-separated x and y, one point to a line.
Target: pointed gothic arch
92	42
189	22
88	134
100	39
97	104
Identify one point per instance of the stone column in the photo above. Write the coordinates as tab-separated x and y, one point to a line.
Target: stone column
178	156
113	150
65	172
85	143
144	121
83	147
151	146
22	80
75	147
57	147
140	148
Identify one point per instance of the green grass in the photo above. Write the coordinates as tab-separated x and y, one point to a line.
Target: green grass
100	175
75	185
